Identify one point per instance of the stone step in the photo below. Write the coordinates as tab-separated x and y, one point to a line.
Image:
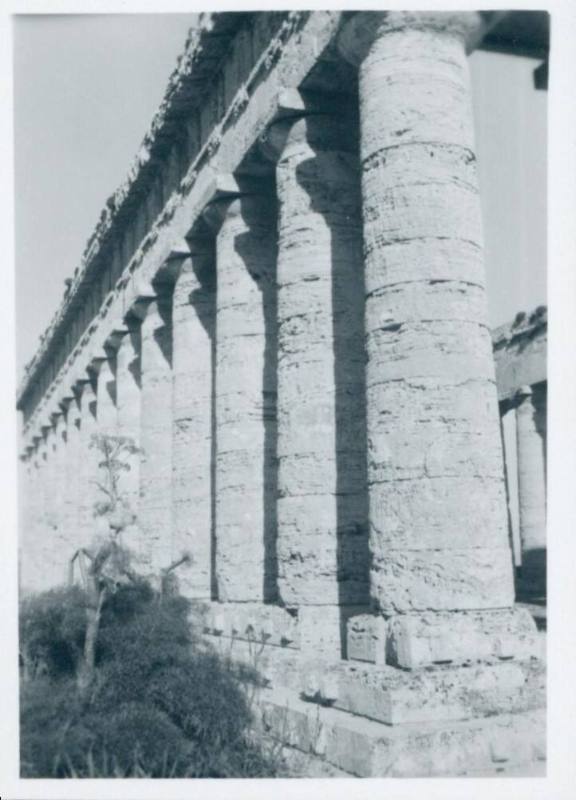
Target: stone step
366	748
394	696
391	695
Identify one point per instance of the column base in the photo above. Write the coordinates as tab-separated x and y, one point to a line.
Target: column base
481	715
411	641
504	744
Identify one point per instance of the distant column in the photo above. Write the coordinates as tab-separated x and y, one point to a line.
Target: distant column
73	467
61	538
88	464
43	541
194	317
128	402
245	397
155	503
531	448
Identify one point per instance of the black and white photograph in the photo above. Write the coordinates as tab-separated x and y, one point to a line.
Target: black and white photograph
283	464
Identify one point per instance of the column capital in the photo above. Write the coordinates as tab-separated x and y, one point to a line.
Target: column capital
232	196
114	338
322	122
361	29
523	393
144	294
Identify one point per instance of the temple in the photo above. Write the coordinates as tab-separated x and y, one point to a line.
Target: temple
284	307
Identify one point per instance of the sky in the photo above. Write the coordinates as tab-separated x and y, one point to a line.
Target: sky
86	88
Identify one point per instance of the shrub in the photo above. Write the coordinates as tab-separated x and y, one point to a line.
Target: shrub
160	705
52	627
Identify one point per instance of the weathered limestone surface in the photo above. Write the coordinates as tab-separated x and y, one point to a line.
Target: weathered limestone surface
128	387
422	640
194	307
245	398
432	414
72	475
367	748
395	697
322	502
88	493
531	450
60	536
155	504
263	623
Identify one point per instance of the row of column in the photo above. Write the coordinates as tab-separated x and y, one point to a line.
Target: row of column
315	397
529	408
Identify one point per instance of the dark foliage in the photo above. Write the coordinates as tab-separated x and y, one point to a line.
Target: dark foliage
160	706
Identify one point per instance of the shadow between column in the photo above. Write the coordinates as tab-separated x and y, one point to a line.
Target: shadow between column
264	276
203	300
340	206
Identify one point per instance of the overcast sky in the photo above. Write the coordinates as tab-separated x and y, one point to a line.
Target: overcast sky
86	87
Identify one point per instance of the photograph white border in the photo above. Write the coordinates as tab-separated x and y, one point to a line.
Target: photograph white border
561	767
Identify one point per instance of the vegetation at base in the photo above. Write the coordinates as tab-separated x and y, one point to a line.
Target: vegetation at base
160	703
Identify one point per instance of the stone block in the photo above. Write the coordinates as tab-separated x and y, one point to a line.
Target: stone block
417	640
276	666
323	630
251	622
395	697
366	638
406	581
365	748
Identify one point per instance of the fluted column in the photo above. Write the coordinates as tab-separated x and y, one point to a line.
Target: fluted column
128	400
531	450
88	465
72	469
438	529
59	467
43	541
245	397
29	529
155	503
193	319
322	501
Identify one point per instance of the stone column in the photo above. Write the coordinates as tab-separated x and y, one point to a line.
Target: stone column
438	530
322	500
60	530
155	503
42	538
128	389
72	470
531	449
245	397
194	317
29	530
88	464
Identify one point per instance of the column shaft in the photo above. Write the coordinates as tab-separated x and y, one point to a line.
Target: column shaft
128	400
322	505
194	310
155	504
88	465
73	467
438	528
531	448
245	401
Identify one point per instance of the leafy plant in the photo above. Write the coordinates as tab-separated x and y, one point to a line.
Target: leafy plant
160	705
